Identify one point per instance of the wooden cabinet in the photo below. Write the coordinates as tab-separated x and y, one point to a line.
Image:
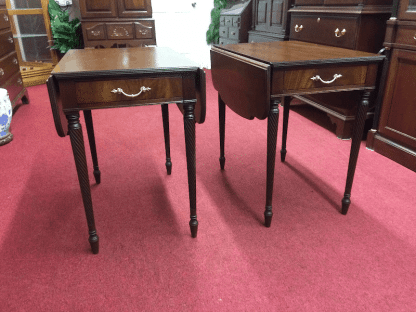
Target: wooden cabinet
394	131
10	77
109	23
269	21
235	21
352	24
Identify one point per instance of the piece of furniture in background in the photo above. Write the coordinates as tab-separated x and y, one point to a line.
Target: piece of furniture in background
84	80
251	79
117	23
235	22
352	24
270	20
32	35
394	130
10	76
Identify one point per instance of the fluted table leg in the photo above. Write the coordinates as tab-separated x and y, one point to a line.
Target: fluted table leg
355	148
189	127
272	123
78	149
165	117
91	140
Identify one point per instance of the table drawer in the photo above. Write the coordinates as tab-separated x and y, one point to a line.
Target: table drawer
144	29
4	19
339	31
8	66
325	78
120	31
106	92
6	42
95	31
406	35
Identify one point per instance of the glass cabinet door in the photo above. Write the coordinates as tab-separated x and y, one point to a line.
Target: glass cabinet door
407	10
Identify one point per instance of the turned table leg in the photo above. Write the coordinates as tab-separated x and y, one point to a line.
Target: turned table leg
91	140
189	127
165	117
78	149
355	148
221	110
272	123
286	108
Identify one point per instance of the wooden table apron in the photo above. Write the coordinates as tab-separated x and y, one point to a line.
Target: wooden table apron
253	78
74	91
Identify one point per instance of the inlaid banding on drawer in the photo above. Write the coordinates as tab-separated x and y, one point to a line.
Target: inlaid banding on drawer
336	77
150	89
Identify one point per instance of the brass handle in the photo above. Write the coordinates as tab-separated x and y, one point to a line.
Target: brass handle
298	28
233	33
317	77
1	72
15	61
414	37
10	39
6	17
120	91
339	33
19	81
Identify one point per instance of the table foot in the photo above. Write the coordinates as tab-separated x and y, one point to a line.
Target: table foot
93	239
283	153
346	201
222	162
97	176
268	214
193	224
168	165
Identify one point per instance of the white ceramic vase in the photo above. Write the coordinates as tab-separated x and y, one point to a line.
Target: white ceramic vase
6	112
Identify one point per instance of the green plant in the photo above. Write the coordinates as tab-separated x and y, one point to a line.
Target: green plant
65	33
213	32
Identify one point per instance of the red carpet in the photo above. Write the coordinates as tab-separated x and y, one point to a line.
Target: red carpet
311	259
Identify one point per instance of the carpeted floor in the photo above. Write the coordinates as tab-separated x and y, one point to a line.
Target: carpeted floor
311	259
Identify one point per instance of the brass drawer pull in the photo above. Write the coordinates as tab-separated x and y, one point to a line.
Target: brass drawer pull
120	91
6	17
1	72
19	81
317	77
339	33
233	33
15	61
10	39
414	37
298	28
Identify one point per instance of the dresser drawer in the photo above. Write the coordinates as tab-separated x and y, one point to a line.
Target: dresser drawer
104	93
222	20
95	31
325	78
236	21
4	19
6	42
228	21
339	31
9	65
227	41
14	87
144	29
234	33
223	32
406	35
120	31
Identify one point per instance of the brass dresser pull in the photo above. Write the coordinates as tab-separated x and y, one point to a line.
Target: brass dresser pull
120	91
339	33
317	77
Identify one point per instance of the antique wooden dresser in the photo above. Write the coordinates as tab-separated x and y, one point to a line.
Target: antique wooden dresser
114	23
394	129
270	20
352	24
235	21
10	77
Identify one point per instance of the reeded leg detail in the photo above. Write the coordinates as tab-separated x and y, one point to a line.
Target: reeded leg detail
165	117
78	149
272	123
221	109
355	148
91	140
189	127
286	109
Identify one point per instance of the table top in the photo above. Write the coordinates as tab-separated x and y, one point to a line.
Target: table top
88	62
296	53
